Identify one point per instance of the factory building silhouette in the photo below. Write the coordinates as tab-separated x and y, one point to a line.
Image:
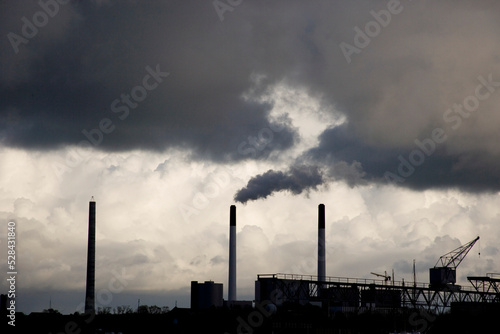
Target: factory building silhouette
209	294
338	293
206	295
279	296
333	294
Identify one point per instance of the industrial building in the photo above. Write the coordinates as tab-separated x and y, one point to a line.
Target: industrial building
206	295
333	295
292	303
209	294
355	295
360	294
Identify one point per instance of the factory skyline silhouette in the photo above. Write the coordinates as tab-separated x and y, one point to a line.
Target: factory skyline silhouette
314	300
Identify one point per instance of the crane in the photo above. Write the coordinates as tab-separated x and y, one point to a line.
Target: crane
386	277
444	271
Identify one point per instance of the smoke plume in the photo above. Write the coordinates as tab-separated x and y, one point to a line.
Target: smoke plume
296	180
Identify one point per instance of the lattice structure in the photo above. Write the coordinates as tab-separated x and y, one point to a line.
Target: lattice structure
355	294
488	287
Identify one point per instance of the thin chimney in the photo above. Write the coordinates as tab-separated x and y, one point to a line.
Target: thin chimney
90	289
231	294
321	244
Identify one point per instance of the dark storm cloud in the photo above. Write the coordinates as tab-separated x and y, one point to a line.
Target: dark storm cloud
425	165
394	69
412	94
106	81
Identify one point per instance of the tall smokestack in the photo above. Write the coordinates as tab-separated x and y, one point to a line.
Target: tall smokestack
231	294
321	243
90	289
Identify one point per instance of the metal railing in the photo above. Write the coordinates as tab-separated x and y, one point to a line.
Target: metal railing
350	280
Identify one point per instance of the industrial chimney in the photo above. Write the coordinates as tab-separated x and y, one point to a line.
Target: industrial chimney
231	294
321	243
90	289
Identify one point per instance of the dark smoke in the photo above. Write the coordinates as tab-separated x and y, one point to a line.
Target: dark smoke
296	180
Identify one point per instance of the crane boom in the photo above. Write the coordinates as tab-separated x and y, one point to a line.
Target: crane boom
387	278
452	259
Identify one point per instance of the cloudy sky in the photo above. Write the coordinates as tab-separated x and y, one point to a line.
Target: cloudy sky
168	112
